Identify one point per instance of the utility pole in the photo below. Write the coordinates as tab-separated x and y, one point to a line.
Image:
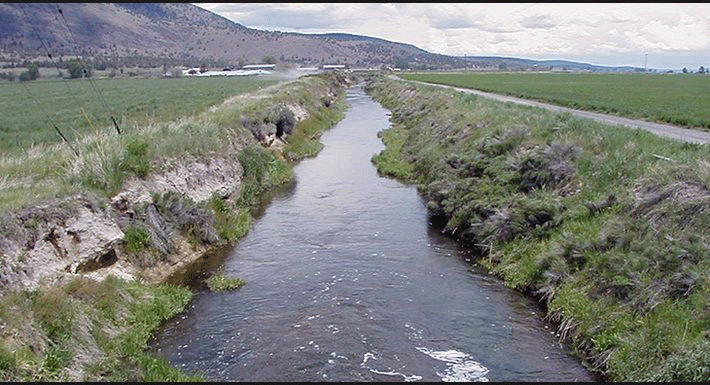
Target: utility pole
645	62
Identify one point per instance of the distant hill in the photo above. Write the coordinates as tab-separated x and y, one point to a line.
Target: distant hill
154	34
518	64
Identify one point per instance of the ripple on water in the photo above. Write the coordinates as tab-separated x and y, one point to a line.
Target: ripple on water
459	366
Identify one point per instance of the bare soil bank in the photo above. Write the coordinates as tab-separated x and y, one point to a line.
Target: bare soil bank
81	276
84	234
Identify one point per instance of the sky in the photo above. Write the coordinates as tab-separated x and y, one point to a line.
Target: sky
650	35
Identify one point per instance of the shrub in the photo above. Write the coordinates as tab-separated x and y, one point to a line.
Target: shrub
7	362
220	282
231	224
136	239
135	158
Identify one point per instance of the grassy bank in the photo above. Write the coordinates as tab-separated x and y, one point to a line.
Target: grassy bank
680	99
606	226
83	330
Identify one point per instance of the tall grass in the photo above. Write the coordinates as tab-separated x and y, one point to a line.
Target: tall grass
48	332
83	313
607	226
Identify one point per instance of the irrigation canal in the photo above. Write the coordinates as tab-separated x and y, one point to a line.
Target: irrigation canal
347	281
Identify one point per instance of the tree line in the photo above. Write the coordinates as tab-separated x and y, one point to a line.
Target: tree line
75	68
701	70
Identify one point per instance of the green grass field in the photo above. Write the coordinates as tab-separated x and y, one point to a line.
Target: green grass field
78	107
681	99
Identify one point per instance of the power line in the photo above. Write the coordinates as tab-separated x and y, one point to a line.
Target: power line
45	48
49	55
35	99
86	74
50	120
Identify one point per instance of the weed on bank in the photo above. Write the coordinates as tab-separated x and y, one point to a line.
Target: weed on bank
608	227
83	330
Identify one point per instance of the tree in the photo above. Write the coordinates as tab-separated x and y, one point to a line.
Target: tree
268	60
25	76
10	76
701	70
685	70
75	68
401	63
33	71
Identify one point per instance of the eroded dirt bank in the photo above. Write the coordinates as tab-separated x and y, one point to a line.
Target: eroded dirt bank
85	234
81	275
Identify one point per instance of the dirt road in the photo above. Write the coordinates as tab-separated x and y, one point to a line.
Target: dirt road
666	130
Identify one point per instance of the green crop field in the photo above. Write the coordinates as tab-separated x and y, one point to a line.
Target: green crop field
681	99
29	110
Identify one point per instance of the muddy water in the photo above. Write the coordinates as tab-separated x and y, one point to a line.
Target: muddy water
347	281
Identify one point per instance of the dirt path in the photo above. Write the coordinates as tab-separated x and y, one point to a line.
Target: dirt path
666	130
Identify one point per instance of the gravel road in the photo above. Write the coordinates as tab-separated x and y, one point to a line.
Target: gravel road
666	130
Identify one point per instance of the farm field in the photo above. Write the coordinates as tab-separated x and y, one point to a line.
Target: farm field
680	99
78	107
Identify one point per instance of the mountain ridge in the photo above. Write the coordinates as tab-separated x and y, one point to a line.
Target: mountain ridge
185	34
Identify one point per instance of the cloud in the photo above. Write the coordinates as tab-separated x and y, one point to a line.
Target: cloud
593	30
284	17
453	24
539	21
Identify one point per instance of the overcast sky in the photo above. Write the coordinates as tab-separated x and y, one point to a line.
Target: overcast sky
656	35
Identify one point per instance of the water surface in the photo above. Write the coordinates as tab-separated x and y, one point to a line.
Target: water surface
347	281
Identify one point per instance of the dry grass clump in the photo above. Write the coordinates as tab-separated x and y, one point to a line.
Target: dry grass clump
683	203
607	227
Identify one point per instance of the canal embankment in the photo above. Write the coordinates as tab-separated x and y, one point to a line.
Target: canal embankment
347	280
81	273
606	226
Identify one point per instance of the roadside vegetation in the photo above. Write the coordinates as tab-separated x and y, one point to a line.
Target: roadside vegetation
84	330
680	99
607	227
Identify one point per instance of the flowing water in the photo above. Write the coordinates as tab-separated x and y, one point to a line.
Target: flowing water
348	281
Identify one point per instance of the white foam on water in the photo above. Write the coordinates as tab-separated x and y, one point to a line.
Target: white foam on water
460	366
407	378
366	357
369	356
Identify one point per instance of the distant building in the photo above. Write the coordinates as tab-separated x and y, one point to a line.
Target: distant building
332	67
259	66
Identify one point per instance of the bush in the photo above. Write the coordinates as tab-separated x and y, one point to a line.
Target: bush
77	69
10	76
7	362
136	239
25	76
262	170
220	282
135	158
231	224
33	71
